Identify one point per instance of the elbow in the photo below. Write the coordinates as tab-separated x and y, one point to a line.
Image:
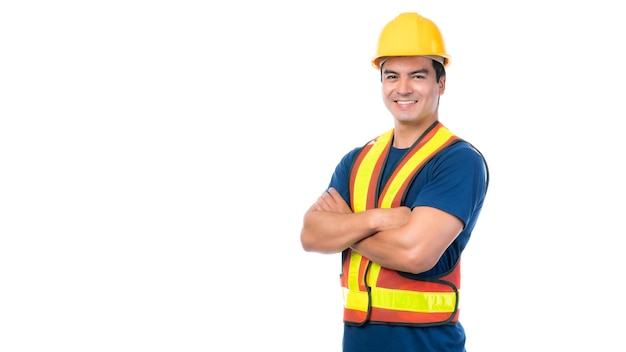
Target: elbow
310	243
306	242
419	262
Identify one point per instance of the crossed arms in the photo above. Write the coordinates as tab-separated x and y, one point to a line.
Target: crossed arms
396	238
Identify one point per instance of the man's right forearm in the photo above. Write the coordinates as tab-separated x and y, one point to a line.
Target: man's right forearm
333	232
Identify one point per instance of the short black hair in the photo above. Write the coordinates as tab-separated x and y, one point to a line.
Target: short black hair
440	71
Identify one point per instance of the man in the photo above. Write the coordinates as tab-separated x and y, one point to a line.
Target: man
402	207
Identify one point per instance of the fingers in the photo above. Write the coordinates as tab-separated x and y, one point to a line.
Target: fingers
333	193
323	202
337	202
331	200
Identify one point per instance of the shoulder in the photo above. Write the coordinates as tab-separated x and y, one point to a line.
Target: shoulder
460	155
458	166
348	159
463	149
341	176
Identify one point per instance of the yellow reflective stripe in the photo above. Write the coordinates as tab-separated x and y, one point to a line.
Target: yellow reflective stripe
355	300
374	271
353	271
364	173
440	137
412	301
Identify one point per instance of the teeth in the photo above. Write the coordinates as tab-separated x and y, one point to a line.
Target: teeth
406	102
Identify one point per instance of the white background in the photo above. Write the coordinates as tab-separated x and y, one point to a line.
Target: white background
156	158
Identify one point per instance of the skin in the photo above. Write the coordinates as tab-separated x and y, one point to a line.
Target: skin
398	238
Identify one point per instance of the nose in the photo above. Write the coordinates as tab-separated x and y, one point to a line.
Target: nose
404	86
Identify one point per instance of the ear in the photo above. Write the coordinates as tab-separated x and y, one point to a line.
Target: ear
442	85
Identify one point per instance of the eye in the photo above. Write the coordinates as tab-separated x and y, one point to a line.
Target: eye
390	77
419	76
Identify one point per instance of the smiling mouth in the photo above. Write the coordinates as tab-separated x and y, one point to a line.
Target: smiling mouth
405	102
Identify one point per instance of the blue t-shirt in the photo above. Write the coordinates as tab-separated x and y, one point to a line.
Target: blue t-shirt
455	181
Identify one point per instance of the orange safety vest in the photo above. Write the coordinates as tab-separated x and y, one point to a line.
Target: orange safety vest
376	294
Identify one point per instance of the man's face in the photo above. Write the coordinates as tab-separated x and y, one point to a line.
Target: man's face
410	89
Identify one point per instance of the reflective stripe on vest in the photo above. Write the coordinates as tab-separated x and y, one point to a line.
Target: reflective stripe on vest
376	294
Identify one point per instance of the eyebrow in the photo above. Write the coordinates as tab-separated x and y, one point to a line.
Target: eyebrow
423	71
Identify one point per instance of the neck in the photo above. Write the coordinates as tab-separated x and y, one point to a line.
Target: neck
404	136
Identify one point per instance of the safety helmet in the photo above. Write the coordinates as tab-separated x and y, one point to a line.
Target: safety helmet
410	34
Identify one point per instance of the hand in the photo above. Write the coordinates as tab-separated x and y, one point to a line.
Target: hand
390	218
332	201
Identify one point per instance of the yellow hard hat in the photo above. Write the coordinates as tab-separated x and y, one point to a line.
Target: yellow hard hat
410	34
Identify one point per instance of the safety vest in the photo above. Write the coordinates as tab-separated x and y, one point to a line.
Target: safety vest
377	294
